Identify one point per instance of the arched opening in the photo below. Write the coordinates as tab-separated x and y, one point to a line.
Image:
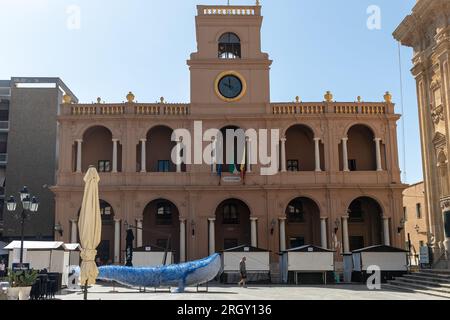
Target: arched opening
97	150
238	150
229	46
364	224
105	250
158	152
232	227
161	223
361	149
300	149
443	174
303	223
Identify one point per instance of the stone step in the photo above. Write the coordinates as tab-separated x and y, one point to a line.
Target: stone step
395	287
425	282
426	277
416	286
445	272
435	275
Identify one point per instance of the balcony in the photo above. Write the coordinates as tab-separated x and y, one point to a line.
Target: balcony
173	180
138	109
5	92
301	108
3	159
4	126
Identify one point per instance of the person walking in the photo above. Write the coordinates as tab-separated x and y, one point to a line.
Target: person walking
243	271
2	268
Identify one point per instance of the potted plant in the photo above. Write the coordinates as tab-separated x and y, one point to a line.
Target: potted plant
20	284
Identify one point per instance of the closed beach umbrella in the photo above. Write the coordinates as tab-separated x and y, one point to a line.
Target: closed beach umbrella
90	228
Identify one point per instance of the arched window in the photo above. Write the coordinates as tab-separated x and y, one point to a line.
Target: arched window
106	210
295	211
163	213
230	214
355	212
229	46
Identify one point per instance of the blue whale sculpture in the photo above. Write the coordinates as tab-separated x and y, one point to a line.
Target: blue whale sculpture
175	275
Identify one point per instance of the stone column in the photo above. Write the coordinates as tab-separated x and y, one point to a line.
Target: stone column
114	160
214	155
283	154
282	233
182	240
139	233
79	143
116	241
387	240
212	236
345	239
317	154
249	155
345	154
73	234
378	153
254	232
143	159
323	232
179	147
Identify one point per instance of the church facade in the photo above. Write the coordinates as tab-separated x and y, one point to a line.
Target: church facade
337	179
427	31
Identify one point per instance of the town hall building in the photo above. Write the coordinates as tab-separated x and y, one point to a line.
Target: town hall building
337	184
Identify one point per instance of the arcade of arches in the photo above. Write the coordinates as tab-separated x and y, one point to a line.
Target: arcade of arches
233	225
300	150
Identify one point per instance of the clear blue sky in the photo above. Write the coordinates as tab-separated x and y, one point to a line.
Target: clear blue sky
143	45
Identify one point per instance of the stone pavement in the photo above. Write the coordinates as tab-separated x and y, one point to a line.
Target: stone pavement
233	293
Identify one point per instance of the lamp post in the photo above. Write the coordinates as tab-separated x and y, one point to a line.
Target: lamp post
29	206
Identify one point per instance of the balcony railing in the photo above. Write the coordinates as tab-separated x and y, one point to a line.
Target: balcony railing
165	109
229	10
158	109
301	108
3	158
4	125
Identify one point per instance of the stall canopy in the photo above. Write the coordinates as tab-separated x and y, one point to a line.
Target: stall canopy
36	245
257	264
151	256
386	257
309	260
257	259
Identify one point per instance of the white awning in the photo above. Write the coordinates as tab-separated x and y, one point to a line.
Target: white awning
36	245
72	246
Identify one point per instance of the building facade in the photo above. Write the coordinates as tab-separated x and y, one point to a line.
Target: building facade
337	184
28	149
5	100
416	220
427	31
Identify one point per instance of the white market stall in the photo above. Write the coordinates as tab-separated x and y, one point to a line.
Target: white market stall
307	264
392	262
55	257
149	256
257	264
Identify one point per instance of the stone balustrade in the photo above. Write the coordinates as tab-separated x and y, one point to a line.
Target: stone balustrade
229	10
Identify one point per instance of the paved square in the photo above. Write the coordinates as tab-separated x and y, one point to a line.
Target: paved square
233	293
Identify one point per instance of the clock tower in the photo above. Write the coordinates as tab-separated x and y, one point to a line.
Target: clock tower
229	73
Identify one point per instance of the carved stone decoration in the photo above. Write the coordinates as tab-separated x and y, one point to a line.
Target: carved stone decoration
439	140
445	204
437	114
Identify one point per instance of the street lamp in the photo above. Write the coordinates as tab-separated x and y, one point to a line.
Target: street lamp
30	206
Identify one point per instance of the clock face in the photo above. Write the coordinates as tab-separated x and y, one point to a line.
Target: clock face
230	86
